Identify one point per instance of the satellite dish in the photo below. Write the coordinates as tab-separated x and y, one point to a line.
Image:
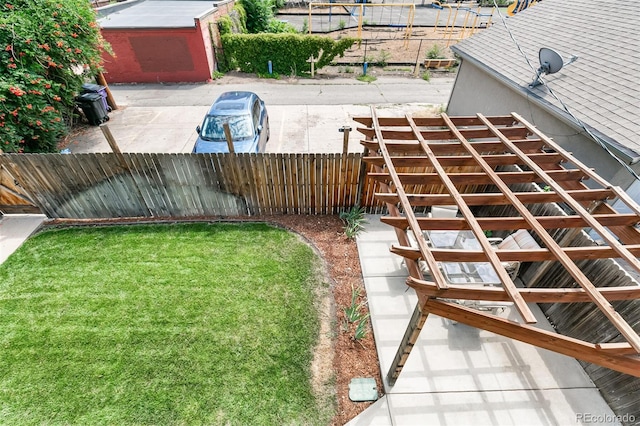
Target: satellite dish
550	63
550	60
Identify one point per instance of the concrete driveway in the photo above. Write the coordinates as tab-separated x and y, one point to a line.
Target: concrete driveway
305	115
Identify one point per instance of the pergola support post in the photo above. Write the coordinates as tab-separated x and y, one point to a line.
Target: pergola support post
418	318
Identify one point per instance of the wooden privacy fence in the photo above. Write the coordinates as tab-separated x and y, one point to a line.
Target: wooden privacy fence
13	198
190	185
621	391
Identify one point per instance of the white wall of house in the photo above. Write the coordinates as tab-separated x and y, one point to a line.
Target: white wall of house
476	91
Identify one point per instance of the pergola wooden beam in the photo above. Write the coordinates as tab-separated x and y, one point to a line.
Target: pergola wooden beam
518	132
531	255
531	295
607	309
510	223
509	286
466	160
470	120
497	198
479	178
529	146
629	364
420	165
411	218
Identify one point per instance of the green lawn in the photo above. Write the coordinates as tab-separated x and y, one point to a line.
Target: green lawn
159	324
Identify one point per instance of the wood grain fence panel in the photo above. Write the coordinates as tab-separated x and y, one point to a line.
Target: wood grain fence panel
343	182
53	176
278	183
314	184
222	185
222	202
317	184
211	204
302	181
354	173
93	182
266	176
328	192
322	188
295	184
87	201
13	197
271	174
299	179
159	201
257	183
244	179
126	200
192	182
183	188
166	185
28	179
289	205
146	178
116	187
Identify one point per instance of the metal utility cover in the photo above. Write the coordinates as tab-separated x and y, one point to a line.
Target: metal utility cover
363	389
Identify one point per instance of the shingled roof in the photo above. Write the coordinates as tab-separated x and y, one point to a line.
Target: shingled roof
602	88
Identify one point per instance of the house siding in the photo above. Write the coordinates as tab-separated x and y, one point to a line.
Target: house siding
476	91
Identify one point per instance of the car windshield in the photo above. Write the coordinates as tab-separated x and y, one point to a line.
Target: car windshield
240	125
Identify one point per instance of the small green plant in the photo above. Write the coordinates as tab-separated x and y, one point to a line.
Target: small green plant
366	78
355	320
366	22
305	26
488	233
426	76
546	188
352	312
361	329
342	24
435	52
354	221
217	75
348	70
383	58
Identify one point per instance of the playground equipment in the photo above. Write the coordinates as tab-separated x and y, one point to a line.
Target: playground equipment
472	21
357	11
519	6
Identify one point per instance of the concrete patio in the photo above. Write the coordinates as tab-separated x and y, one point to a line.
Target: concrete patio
15	229
462	375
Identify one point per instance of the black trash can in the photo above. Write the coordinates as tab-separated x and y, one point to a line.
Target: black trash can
101	90
92	107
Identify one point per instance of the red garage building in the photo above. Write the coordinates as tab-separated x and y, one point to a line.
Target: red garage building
156	41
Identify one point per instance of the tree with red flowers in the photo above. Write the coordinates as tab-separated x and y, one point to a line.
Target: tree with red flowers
48	49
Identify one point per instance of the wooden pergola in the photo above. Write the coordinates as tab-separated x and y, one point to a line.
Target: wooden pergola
474	162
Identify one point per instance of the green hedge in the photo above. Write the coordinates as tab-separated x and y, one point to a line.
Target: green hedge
288	53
